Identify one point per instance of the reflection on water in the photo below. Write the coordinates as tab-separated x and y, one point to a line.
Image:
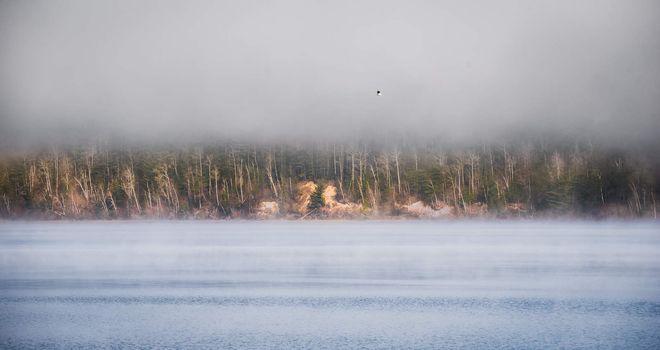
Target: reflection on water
329	285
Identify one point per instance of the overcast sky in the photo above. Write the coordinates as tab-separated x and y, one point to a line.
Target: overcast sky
296	69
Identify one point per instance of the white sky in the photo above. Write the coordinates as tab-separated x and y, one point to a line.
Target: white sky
291	69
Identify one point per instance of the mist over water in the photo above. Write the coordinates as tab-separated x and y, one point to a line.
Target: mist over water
144	71
106	105
330	285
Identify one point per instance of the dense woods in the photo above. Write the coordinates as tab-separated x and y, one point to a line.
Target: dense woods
234	180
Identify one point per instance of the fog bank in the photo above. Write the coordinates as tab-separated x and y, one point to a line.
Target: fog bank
254	70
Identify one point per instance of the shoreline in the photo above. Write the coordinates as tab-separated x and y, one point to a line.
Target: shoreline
464	219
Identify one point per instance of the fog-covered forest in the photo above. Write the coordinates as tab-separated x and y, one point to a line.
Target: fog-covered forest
351	180
253	109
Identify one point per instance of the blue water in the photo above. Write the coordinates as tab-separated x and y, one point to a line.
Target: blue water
330	285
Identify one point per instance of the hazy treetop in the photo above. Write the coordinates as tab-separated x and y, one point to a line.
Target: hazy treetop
181	70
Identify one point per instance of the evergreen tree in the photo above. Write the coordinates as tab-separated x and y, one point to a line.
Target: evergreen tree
316	198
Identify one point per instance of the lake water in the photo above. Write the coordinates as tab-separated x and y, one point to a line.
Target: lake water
330	285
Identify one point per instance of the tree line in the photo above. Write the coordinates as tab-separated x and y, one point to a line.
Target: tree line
231	179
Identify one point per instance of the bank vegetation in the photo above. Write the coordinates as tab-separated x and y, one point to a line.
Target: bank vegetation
350	180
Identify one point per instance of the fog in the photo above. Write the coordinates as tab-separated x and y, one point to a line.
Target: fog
175	70
330	285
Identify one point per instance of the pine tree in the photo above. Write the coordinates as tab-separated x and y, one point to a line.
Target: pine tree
316	198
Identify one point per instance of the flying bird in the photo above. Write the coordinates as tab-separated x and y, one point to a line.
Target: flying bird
378	93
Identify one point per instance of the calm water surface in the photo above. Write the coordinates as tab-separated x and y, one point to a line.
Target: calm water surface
330	285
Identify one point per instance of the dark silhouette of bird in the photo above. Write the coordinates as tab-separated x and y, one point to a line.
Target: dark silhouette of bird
378	93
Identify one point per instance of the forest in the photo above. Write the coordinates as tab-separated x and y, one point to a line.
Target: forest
328	180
